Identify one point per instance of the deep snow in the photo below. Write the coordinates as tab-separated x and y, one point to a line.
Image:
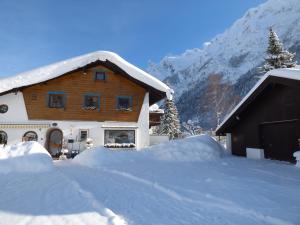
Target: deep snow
25	157
147	189
197	148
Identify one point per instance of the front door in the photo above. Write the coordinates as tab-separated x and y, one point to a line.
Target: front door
279	140
55	140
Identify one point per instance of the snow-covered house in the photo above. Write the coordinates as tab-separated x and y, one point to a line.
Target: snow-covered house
267	121
98	97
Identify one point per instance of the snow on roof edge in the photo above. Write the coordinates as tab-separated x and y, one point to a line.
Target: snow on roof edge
289	73
57	69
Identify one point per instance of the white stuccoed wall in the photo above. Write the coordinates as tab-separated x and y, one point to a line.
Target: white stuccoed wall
16	108
143	135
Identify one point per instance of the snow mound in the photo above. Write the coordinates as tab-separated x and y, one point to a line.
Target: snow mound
101	156
197	148
25	157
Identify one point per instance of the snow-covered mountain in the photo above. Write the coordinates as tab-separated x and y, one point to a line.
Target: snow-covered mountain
233	55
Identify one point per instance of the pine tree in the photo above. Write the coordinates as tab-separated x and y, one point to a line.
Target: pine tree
170	124
277	56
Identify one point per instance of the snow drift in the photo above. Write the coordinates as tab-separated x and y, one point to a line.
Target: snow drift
25	157
197	148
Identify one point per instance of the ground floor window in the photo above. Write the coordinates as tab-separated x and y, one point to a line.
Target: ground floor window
119	138
30	136
3	138
83	135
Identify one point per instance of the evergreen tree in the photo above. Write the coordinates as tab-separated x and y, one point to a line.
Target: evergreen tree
277	56
170	124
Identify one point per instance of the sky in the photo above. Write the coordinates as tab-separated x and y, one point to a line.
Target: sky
34	33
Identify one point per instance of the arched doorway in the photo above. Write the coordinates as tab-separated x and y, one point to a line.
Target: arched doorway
54	142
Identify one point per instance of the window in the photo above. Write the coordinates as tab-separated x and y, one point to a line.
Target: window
119	138
91	101
3	137
83	135
56	100
124	103
100	75
30	136
3	108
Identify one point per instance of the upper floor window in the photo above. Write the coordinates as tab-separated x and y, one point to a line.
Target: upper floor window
124	103
91	101
56	100
100	75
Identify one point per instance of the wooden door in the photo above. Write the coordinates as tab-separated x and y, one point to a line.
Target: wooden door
55	140
279	140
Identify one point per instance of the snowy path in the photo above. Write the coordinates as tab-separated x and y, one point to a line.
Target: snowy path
147	194
49	198
225	192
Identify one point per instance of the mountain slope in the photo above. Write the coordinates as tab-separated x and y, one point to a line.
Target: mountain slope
234	56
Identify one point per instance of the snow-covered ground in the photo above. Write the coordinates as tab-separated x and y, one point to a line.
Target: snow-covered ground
146	188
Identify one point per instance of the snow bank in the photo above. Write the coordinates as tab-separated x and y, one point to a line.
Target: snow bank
25	157
197	148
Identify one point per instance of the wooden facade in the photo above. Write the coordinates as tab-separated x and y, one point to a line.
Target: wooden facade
75	85
269	119
155	118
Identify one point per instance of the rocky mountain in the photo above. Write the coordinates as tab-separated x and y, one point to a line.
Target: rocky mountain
209	81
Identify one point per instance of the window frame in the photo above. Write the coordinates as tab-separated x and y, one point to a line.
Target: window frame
57	93
104	73
3	108
91	94
130	103
87	134
30	131
115	145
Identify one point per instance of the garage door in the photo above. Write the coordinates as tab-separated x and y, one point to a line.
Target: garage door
279	140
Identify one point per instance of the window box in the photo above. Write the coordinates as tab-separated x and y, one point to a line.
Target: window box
117	145
89	107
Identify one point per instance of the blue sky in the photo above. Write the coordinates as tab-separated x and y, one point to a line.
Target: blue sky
34	33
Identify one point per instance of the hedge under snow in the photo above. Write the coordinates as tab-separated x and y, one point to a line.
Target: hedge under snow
197	148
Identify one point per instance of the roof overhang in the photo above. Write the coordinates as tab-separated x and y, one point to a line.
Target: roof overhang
157	89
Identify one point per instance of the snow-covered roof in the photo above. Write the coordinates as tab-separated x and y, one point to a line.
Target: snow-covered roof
155	109
57	69
288	73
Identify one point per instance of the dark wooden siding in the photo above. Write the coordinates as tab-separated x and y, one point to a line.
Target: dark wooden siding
277	103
